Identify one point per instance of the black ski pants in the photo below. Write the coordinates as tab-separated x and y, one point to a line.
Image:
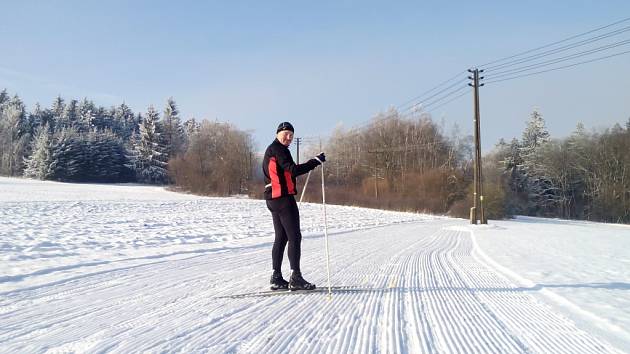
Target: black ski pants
286	223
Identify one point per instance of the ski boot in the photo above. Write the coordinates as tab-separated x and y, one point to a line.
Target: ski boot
298	283
277	282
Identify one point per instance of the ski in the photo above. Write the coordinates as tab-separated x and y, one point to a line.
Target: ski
269	293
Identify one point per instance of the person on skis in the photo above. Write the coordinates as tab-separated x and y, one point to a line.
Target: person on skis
280	172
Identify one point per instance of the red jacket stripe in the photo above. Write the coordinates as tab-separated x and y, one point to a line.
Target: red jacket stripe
290	185
276	190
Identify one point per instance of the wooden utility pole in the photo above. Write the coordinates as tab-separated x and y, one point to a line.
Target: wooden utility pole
477	210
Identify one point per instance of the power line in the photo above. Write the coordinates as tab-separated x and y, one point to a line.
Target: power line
561	67
451	93
557	50
356	130
424	105
558	60
554	43
435	94
422	98
449	101
442	94
403	114
412	103
432	89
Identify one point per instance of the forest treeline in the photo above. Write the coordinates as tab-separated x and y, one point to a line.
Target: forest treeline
584	176
77	141
409	164
397	163
393	162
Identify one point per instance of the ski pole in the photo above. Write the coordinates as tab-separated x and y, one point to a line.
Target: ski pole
305	184
326	234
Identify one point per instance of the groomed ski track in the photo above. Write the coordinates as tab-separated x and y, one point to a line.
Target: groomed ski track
420	287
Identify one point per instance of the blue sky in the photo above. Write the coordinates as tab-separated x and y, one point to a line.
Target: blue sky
315	64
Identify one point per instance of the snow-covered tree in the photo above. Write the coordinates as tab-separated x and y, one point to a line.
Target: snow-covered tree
38	118
58	107
103	118
87	118
14	136
4	97
67	156
172	130
95	156
148	154
124	122
70	116
542	192
105	156
191	127
534	136
38	163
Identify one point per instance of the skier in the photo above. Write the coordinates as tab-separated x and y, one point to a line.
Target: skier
280	172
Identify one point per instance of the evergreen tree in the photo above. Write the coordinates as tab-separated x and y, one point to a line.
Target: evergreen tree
106	156
148	156
542	193
4	97
38	163
172	131
95	156
513	179
71	114
124	122
14	136
514	163
128	121
191	127
535	135
102	118
67	156
57	109
37	118
138	120
87	115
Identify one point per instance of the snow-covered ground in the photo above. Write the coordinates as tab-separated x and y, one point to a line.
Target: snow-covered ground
581	267
60	230
127	268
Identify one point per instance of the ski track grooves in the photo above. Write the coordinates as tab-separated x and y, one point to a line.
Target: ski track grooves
413	288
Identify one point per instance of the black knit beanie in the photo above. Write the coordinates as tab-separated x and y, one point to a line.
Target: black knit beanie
284	126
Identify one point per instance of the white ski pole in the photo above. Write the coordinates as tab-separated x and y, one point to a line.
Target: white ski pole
326	233
305	184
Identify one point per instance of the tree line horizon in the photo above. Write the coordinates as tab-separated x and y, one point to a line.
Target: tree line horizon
397	162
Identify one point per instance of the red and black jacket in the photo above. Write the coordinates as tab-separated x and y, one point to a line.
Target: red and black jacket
280	171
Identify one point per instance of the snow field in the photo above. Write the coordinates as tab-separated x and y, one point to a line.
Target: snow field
417	288
580	268
184	274
47	240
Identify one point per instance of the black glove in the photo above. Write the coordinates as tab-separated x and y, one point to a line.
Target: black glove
321	158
